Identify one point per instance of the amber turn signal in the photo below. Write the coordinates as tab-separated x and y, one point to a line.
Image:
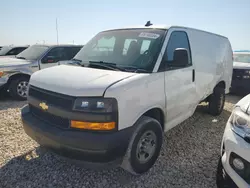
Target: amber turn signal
1	73
93	126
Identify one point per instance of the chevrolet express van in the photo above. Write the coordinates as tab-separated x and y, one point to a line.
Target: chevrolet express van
112	103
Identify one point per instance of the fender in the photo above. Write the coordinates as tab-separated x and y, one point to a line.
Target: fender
27	69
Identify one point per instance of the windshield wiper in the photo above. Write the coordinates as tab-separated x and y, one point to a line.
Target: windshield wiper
77	60
135	69
20	57
108	65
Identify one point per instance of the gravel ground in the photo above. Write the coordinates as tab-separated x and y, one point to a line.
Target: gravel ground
188	158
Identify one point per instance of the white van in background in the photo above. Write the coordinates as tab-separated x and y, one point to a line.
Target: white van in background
129	85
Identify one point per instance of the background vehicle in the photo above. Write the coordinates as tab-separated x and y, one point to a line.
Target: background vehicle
241	72
234	163
128	87
12	50
15	72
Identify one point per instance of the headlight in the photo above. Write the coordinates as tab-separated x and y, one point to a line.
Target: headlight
240	122
106	107
95	104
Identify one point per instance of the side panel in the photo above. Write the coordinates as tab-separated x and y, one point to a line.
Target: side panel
136	95
211	56
228	66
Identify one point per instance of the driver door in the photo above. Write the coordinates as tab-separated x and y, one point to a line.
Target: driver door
180	88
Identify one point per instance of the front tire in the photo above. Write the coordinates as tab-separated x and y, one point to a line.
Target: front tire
217	101
19	88
144	147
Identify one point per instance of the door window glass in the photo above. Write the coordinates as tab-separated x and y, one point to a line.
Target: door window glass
178	39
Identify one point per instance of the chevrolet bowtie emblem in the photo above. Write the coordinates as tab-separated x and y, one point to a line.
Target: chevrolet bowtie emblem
44	106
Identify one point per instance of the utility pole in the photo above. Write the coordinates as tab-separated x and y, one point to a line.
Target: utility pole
56	31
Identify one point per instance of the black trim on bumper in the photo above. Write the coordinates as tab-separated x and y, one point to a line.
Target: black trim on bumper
244	174
240	85
94	147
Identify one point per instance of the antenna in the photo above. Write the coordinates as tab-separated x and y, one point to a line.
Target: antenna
148	24
56	31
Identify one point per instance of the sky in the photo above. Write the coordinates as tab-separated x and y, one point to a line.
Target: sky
30	21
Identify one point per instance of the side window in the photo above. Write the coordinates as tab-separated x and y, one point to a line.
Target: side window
73	52
55	55
145	46
178	53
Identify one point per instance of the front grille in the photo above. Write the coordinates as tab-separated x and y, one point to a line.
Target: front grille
239	73
52	98
49	118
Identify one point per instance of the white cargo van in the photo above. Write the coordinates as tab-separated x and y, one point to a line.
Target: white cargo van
127	87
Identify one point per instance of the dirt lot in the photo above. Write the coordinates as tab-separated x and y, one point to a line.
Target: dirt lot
188	159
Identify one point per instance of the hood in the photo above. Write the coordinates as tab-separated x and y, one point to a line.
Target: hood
4	56
244	104
77	81
8	61
240	65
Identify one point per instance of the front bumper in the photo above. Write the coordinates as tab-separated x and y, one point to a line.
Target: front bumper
240	85
234	144
240	81
87	147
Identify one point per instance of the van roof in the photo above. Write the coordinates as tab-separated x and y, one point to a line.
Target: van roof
165	27
243	52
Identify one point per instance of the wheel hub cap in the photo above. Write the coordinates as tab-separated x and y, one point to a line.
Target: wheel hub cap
22	89
146	147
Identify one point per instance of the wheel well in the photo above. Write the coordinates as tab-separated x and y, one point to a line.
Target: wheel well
157	114
15	76
221	84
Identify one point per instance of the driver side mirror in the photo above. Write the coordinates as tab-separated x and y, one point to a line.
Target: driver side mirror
181	58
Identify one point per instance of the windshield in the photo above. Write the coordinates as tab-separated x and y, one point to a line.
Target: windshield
33	52
4	50
131	48
243	58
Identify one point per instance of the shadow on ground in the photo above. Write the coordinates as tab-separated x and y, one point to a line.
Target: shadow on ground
234	98
7	102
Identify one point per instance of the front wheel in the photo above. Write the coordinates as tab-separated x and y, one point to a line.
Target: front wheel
144	147
19	88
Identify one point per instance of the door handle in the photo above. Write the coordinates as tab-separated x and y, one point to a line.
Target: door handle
193	75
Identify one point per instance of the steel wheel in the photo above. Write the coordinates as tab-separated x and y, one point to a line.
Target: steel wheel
146	147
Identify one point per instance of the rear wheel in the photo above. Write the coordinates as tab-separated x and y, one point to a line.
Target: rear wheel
144	147
216	101
19	88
